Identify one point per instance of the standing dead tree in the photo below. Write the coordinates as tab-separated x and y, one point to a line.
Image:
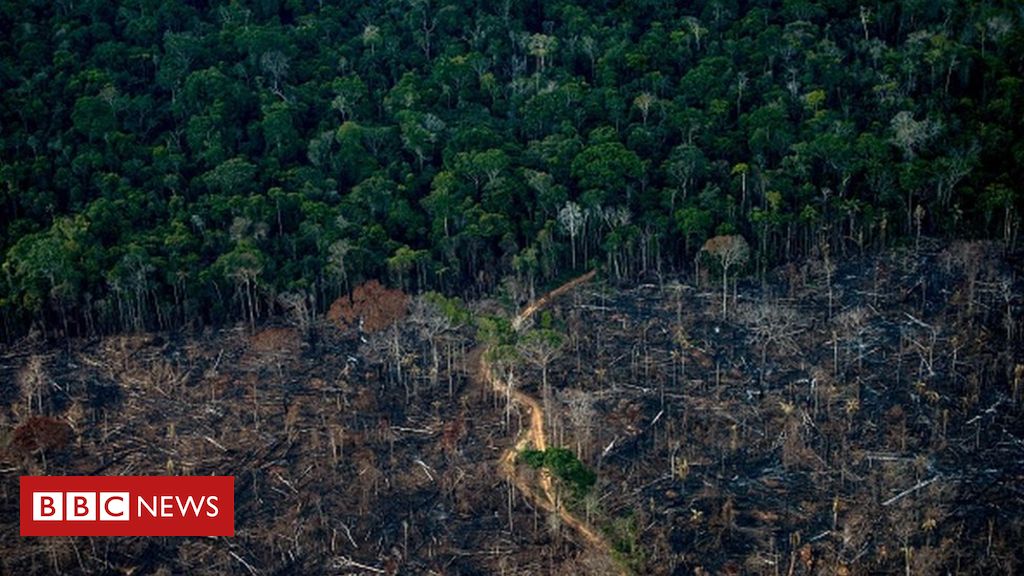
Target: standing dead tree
432	324
32	380
729	252
770	325
504	359
582	415
370	308
974	262
540	347
301	307
852	331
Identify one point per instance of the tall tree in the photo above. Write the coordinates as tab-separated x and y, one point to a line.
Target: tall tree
728	252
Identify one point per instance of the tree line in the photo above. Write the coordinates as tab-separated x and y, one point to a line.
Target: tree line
170	165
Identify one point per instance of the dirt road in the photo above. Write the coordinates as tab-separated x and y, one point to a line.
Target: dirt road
533	435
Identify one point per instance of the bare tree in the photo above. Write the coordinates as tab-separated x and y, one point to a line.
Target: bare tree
428	20
336	266
974	260
695	29
571	217
741	84
909	134
540	347
729	252
541	46
953	170
1009	294
32	381
644	102
771	325
300	306
275	63
503	359
853	327
865	19
582	415
432	324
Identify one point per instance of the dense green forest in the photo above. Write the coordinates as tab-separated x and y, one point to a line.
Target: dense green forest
169	164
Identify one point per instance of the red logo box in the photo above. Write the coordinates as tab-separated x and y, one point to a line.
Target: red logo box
127	505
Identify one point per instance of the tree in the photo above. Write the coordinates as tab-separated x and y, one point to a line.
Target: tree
406	259
729	252
463	132
371	37
301	305
571	217
279	132
685	164
370	308
770	324
998	200
231	177
693	222
244	266
565	466
337	266
953	169
854	326
742	80
608	166
695	29
582	413
908	134
131	282
93	117
350	92
46	269
540	347
743	170
643	102
275	64
549	195
33	381
502	353
428	313
541	46
481	168
420	133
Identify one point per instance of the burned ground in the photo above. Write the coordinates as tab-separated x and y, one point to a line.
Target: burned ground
871	426
882	435
349	455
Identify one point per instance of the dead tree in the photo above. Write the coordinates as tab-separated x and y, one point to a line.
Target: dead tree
973	260
853	328
503	359
32	381
540	347
370	308
432	324
729	252
771	325
582	414
301	307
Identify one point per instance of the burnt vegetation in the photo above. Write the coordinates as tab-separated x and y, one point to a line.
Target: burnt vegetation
871	425
354	450
859	419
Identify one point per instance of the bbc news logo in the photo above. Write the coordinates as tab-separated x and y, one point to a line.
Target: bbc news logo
127	505
80	506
